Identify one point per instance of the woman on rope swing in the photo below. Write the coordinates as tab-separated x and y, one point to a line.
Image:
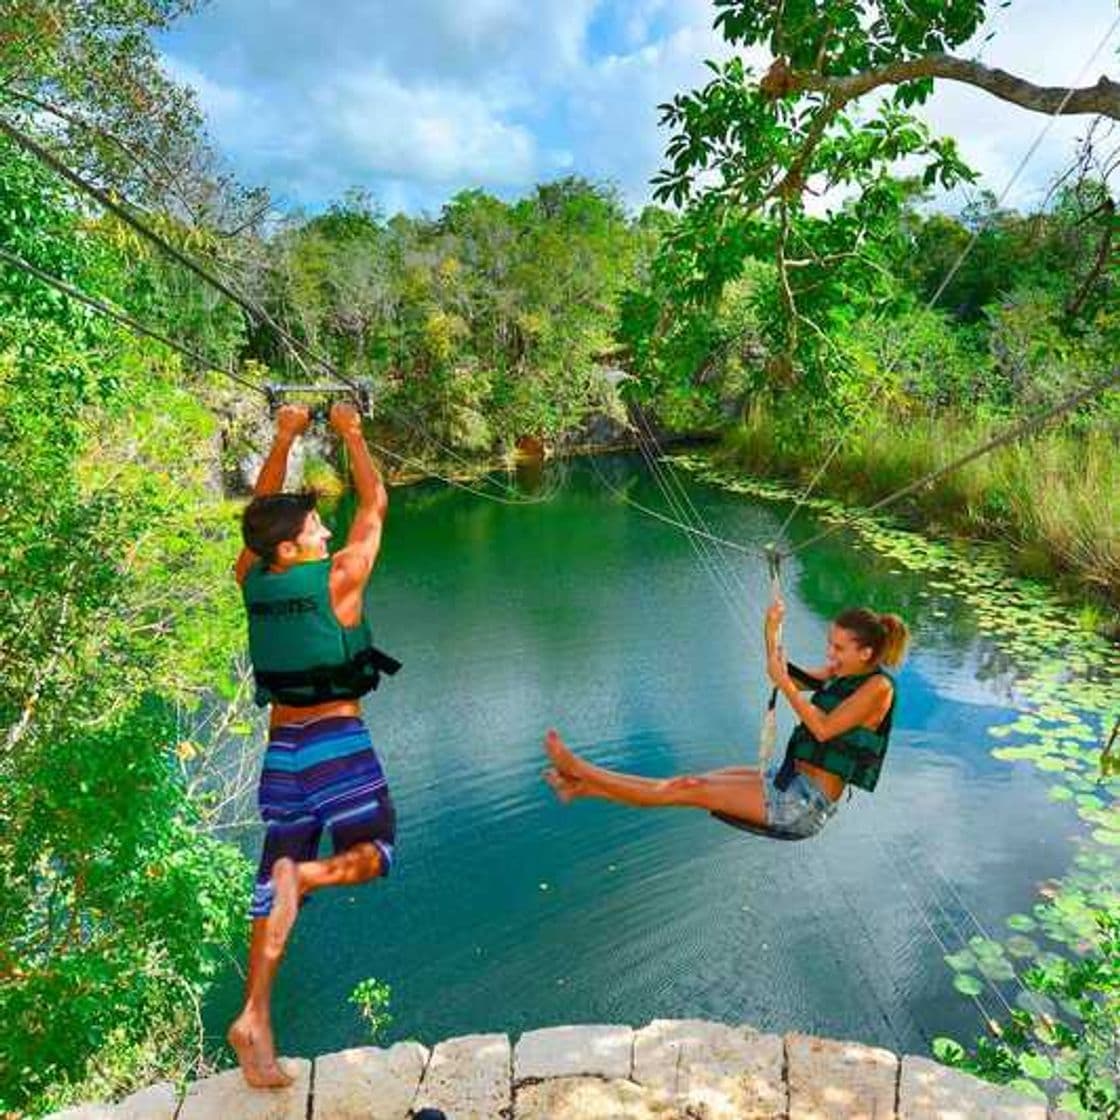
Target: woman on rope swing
841	739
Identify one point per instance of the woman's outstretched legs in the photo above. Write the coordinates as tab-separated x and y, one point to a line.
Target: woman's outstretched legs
737	792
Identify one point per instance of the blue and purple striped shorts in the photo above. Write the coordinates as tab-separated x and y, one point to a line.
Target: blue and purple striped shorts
323	774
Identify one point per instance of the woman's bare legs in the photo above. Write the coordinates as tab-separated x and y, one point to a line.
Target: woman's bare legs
737	791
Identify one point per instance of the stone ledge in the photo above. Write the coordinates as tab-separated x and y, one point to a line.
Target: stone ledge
668	1070
584	1051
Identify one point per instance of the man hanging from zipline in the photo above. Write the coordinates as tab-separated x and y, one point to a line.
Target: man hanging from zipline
310	643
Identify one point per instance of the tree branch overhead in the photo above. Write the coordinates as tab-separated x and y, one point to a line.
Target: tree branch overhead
1102	98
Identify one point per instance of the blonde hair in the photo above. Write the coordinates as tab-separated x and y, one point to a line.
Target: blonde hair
886	635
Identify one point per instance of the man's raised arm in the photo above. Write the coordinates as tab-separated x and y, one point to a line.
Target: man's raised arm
373	499
291	421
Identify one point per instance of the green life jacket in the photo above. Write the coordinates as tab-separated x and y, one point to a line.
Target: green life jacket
857	755
301	653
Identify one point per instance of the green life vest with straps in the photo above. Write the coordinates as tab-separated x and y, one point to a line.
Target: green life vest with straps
857	755
301	653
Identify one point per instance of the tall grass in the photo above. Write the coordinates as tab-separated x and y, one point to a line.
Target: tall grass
1053	499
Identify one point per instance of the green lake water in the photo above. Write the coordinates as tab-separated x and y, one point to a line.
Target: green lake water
507	911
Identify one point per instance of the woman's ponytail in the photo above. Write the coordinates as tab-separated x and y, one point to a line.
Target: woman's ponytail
897	638
886	635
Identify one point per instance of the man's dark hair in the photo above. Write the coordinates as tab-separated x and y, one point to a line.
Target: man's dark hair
271	519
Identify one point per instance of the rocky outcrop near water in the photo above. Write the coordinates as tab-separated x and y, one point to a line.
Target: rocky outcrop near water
669	1070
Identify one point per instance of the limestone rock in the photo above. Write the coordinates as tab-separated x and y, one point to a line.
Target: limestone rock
91	1111
588	1098
84	1112
227	1096
468	1077
600	1051
156	1102
717	1071
929	1091
367	1083
831	1080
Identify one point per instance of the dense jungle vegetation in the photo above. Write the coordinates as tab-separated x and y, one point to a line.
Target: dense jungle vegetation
733	308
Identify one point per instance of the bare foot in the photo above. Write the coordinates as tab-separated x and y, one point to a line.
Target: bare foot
565	788
252	1043
566	763
285	903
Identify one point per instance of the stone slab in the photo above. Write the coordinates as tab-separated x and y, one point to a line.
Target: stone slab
929	1091
717	1071
831	1080
575	1051
227	1096
91	1111
589	1098
156	1102
468	1078
367	1083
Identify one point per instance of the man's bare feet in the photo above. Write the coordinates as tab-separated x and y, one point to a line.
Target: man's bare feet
566	763
285	903
252	1043
565	788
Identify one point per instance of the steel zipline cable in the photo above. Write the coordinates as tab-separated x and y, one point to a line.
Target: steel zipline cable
1013	433
126	320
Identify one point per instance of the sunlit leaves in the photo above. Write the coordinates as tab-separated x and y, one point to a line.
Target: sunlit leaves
117	602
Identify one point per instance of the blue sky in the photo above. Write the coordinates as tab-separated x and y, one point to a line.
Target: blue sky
415	101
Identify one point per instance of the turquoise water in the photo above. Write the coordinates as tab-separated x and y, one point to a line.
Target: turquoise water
508	911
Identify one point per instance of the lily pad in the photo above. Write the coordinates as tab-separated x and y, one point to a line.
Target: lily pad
1037	1066
996	969
1020	946
967	984
960	962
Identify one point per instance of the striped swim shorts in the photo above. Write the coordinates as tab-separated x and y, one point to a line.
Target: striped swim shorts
323	774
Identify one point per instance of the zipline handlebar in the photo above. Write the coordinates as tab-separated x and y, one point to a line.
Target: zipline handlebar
361	392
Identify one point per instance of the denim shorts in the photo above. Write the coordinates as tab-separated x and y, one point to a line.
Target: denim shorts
802	808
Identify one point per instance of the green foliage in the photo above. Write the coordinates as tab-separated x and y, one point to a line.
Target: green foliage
117	619
1053	501
1072	1054
88	73
480	327
372	997
847	38
745	149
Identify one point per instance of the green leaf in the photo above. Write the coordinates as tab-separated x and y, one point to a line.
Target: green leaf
948	1050
1036	1066
967	984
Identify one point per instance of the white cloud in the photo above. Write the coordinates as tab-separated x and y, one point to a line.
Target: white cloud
614	101
430	133
420	100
